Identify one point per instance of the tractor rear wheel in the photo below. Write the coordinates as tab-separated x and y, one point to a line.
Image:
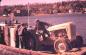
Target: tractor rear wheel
61	46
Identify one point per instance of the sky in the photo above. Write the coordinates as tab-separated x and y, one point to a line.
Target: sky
23	2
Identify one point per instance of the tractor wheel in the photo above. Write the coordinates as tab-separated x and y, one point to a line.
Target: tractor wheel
61	46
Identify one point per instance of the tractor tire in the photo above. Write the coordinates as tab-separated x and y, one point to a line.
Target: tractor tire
61	46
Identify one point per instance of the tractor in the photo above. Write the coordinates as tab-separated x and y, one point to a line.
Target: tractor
62	37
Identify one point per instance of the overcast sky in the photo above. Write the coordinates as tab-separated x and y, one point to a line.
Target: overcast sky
16	2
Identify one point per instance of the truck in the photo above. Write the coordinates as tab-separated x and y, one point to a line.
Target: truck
8	34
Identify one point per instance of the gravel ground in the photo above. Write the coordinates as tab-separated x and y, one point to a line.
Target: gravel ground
6	50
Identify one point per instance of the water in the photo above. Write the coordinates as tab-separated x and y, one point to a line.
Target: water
78	19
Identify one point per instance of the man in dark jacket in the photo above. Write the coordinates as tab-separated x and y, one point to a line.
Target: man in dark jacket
41	27
79	41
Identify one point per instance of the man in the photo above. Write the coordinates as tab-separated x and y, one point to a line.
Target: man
21	33
11	20
79	41
41	27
